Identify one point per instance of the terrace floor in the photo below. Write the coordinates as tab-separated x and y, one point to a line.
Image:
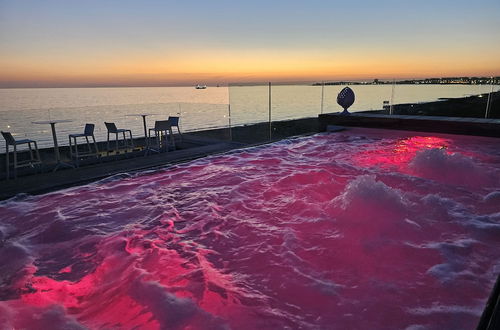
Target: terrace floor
201	144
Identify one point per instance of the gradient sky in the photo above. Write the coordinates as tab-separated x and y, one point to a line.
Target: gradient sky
125	42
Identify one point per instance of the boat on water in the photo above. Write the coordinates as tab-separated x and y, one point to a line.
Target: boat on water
201	87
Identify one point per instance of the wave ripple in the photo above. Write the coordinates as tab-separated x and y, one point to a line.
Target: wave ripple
359	229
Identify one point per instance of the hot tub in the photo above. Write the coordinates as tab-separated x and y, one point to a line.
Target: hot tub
360	229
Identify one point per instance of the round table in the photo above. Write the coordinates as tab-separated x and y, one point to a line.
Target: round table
143	115
54	137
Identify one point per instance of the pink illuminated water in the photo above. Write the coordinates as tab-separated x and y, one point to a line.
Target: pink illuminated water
362	229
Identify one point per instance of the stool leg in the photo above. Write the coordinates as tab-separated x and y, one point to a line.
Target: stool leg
88	144
165	133
108	145
31	152
125	144
70	147
7	160
131	139
95	145
116	136
180	134
149	147
76	153
172	137
160	140
38	156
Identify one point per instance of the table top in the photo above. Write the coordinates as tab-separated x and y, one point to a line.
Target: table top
52	121
141	114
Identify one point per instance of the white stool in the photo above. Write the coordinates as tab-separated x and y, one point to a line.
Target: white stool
174	121
113	130
162	129
10	141
87	132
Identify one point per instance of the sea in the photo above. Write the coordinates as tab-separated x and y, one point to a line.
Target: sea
214	107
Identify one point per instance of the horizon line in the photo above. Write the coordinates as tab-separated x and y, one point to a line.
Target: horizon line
220	84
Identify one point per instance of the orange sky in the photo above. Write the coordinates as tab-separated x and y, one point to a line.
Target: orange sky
95	45
219	67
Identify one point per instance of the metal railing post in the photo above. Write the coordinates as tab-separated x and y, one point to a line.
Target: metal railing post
270	103
322	95
229	121
391	108
488	103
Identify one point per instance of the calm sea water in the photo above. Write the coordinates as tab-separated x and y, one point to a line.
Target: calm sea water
198	109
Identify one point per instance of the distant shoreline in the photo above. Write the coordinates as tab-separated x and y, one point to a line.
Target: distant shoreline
473	106
242	85
423	81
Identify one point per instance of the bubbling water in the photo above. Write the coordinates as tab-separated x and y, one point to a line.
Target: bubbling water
359	229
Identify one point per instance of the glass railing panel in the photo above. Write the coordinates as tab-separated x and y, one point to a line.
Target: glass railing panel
20	107
493	103
292	102
368	97
452	100
295	101
249	104
193	117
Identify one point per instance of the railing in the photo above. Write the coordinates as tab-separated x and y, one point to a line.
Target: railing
303	100
193	116
268	102
223	107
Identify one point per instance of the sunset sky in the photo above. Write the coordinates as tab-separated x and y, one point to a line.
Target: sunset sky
146	43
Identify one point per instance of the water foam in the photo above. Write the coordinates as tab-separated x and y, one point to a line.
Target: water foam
451	168
305	233
369	195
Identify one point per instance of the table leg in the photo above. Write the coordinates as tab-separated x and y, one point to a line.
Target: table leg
145	129
56	147
56	150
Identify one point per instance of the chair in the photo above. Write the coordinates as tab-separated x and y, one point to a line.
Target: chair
161	130
113	130
10	141
174	121
87	132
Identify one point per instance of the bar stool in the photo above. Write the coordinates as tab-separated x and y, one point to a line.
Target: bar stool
161	130
113	130
87	132
10	141
174	121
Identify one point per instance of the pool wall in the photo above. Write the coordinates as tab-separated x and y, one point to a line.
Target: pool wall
437	124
